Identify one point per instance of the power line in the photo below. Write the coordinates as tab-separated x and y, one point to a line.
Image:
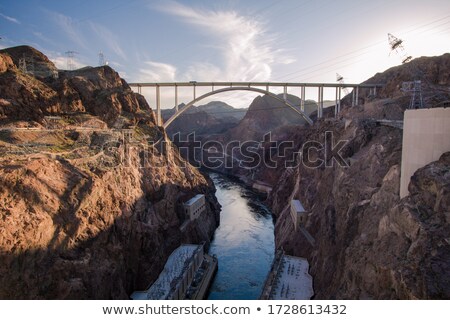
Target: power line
354	51
426	24
396	45
265	8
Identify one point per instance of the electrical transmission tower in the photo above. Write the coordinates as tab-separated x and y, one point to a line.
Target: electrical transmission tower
396	45
26	64
23	65
415	88
340	79
101	59
70	63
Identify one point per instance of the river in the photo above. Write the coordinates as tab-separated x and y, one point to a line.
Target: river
243	243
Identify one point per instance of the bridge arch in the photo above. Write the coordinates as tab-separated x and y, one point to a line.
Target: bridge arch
190	104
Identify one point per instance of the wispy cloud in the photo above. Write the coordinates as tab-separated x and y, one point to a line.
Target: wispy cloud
10	19
108	38
60	60
203	71
157	71
247	51
68	26
40	36
247	48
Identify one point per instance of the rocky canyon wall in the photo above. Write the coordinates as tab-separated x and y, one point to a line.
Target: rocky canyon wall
90	207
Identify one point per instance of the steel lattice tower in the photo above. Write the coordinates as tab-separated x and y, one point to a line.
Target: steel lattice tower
396	45
415	87
340	79
70	55
101	59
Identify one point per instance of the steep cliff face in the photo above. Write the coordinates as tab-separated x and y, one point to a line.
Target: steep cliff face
29	96
431	71
369	244
73	232
89	212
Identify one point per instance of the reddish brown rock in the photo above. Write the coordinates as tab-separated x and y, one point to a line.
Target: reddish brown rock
88	214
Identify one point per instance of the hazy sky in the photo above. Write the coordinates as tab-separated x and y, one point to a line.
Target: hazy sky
235	40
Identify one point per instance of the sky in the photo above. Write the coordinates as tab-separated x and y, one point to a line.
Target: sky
234	40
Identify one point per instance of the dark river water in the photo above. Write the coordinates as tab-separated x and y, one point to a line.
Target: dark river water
243	243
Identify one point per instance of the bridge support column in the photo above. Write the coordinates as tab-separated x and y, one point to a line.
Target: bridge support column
195	94
302	99
285	93
176	98
339	99
357	96
353	96
320	103
336	111
158	107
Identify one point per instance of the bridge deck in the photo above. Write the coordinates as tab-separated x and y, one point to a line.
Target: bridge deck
253	84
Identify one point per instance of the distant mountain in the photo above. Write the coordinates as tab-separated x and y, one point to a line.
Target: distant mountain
218	109
211	118
221	110
266	114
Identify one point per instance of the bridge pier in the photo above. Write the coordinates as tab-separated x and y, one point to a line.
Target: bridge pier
285	93
302	98
176	98
320	103
339	99
353	96
357	96
336	110
158	107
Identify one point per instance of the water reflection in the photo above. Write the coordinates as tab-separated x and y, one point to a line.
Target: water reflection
243	243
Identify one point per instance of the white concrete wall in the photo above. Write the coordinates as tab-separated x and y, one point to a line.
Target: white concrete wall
426	136
193	210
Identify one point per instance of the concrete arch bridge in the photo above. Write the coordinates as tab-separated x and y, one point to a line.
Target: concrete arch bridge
219	87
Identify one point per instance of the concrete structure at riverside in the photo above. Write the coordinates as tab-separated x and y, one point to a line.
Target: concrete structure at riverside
288	279
298	214
195	207
426	136
186	275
